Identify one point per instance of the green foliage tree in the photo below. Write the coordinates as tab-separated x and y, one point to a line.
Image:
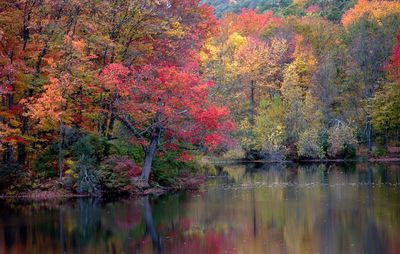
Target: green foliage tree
269	128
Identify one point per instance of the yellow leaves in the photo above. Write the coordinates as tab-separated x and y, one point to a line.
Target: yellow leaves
176	30
14	123
378	9
269	126
203	56
300	2
70	172
261	62
305	64
210	51
236	40
215	49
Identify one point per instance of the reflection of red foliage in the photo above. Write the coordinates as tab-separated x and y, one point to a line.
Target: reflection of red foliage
184	237
128	217
211	242
185	224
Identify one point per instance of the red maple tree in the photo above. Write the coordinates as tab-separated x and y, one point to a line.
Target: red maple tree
166	104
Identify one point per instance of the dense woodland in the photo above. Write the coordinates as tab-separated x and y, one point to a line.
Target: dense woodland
97	93
306	84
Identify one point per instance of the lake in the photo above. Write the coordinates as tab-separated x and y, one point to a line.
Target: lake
248	208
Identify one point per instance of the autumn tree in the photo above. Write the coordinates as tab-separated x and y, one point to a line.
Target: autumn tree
394	65
370	40
269	128
162	104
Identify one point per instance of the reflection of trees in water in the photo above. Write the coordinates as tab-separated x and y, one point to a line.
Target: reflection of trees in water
312	208
151	228
317	207
88	217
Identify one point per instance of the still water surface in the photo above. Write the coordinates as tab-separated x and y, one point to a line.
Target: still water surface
246	209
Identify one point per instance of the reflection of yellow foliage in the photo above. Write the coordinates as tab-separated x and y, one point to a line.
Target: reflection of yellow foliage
236	173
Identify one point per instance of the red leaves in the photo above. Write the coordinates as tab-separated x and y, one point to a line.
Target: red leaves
169	96
210	117
212	141
185	157
113	78
125	166
394	67
14	140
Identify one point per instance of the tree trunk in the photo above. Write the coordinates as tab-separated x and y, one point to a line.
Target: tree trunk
8	154
104	123
61	152
252	102
22	147
149	156
369	132
387	137
40	58
110	130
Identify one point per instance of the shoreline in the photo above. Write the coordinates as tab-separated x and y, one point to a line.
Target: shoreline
355	160
182	184
46	195
155	189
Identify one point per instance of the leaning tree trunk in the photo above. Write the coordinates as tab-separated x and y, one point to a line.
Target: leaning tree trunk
149	155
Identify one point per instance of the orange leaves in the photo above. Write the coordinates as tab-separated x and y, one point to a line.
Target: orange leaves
252	58
250	22
49	107
378	9
305	61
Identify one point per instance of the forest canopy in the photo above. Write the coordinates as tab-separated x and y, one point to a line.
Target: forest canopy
100	92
